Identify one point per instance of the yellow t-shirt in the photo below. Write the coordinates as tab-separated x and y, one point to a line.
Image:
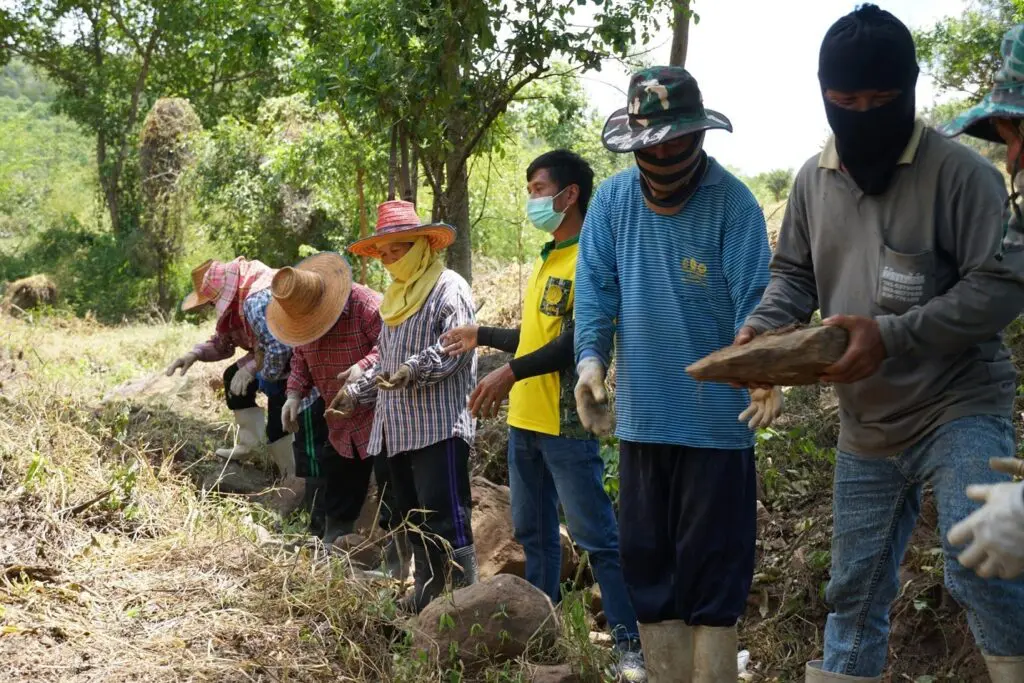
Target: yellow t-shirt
535	402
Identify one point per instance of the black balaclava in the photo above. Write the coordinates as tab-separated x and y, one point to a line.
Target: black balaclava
667	184
870	49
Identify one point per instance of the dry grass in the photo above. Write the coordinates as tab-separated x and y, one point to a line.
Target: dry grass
115	567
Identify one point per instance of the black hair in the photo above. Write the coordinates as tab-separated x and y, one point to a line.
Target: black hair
566	168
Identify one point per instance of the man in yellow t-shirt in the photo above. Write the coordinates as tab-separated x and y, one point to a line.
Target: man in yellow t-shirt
551	457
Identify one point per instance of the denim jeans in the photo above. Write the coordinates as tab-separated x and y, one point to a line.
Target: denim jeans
544	470
875	506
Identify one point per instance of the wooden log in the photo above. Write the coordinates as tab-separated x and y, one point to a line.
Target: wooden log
788	358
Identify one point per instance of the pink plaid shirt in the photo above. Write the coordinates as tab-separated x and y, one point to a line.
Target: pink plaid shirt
352	341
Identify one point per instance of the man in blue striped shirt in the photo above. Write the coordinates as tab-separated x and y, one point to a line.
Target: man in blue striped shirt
673	257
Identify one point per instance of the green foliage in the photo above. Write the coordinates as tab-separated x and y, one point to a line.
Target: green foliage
962	53
777	183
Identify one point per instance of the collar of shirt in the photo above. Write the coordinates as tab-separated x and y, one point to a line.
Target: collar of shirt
829	157
552	246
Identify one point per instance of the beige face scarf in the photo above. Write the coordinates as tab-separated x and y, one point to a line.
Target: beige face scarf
414	276
667	184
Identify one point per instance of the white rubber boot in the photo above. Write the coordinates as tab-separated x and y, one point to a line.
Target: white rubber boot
714	654
668	652
251	425
814	674
1005	669
291	489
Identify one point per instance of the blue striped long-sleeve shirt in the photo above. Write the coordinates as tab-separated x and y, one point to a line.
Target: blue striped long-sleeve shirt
672	289
433	407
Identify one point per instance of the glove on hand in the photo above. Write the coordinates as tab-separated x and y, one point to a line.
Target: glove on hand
399	379
995	532
765	406
592	398
241	381
290	414
185	362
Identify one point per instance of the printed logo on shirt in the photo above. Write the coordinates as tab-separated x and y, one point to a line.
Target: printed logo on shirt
694	272
906	288
555	301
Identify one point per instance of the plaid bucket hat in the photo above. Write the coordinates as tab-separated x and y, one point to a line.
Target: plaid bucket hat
663	103
1006	99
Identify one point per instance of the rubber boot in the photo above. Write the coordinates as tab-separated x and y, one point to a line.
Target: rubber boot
814	674
714	654
464	567
251	424
668	651
428	578
1005	669
290	489
335	528
397	554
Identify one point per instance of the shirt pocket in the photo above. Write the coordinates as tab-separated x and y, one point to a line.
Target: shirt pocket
904	280
556	297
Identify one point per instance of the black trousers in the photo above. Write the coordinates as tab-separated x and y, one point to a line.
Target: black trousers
336	486
275	402
432	491
687	531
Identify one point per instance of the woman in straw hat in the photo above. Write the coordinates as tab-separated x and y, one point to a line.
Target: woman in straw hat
332	325
422	424
239	290
994	534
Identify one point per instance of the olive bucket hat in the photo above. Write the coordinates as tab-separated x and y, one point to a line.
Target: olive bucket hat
1006	99
663	103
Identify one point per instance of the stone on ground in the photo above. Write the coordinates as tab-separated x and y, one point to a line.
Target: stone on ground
559	673
497	619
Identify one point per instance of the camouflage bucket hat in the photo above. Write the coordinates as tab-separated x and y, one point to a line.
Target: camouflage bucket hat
663	103
1006	99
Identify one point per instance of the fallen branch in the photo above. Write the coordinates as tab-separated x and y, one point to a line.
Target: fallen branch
82	507
33	572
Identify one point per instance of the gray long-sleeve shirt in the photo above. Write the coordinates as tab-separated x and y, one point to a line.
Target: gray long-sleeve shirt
921	260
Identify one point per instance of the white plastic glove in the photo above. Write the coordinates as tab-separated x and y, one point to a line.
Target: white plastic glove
290	414
352	375
765	406
241	381
185	362
996	531
592	398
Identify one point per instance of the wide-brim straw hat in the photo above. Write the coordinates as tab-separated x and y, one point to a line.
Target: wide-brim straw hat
397	222
195	298
308	298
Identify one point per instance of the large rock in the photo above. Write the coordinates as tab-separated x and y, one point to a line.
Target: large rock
494	620
497	550
786	358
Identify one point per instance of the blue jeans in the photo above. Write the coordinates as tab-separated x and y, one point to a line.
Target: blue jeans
544	470
875	507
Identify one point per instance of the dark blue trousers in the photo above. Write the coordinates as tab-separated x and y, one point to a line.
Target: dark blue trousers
687	528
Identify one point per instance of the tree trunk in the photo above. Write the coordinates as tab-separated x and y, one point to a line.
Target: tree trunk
363	228
393	162
680	33
414	176
404	177
456	212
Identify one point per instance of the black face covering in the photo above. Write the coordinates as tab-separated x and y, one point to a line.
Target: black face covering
871	142
870	49
667	184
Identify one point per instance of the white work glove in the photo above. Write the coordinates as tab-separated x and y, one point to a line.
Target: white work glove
343	405
399	379
352	375
290	414
185	362
996	531
765	406
241	381
592	398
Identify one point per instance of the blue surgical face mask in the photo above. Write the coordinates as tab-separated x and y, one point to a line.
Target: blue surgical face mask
541	212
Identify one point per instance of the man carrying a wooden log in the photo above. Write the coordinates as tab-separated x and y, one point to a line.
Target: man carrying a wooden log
994	534
673	257
894	232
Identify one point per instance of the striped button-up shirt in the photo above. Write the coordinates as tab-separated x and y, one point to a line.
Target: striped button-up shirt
275	354
315	366
432	408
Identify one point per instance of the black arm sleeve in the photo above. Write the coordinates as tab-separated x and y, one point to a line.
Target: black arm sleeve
500	338
555	356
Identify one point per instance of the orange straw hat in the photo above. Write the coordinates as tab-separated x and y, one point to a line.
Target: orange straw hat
309	298
195	299
397	222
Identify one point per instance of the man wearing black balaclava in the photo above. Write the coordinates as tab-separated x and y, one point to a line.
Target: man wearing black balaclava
894	232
